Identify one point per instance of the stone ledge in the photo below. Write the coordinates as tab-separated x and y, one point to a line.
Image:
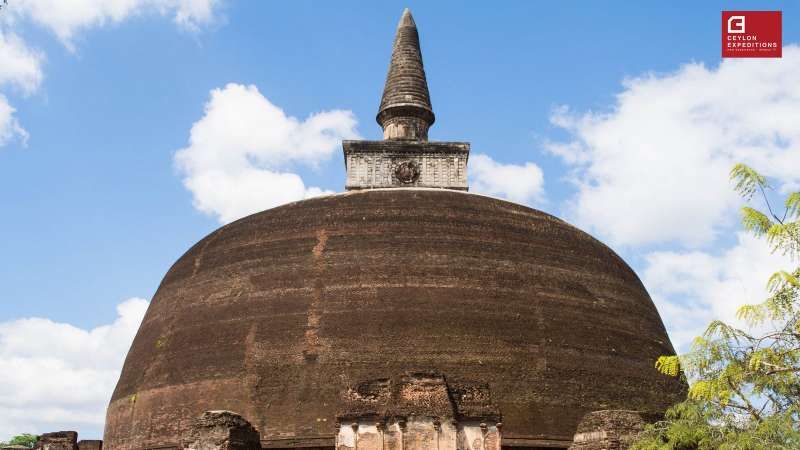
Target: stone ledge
390	146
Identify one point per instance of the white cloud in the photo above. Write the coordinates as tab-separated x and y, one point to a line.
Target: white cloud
9	126
655	168
232	195
518	183
57	376
20	65
238	154
66	18
692	288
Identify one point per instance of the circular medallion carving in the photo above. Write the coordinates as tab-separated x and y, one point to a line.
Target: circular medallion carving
407	172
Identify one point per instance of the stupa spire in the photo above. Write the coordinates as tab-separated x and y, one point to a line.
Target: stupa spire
405	111
405	158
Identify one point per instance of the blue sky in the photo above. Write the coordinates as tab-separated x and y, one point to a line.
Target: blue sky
94	206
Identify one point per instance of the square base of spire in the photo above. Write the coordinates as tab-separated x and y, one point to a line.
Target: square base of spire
403	164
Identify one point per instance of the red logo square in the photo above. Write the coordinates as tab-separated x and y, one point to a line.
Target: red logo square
751	34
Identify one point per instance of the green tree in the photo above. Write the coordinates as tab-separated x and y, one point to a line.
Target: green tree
26	440
744	382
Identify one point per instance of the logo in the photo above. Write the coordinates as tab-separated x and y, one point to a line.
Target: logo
751	34
736	24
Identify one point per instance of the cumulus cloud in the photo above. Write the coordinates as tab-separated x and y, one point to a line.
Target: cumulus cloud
655	168
57	376
20	65
20	68
241	149
66	18
518	183
692	288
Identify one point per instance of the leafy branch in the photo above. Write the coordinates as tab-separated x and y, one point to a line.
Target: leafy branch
745	383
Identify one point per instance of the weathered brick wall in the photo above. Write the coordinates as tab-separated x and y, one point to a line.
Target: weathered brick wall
59	440
608	430
88	444
292	305
222	430
418	411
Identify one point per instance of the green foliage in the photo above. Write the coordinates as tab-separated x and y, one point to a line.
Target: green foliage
755	221
669	365
793	205
747	181
745	383
26	440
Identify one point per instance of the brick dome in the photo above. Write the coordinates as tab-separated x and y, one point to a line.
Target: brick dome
275	315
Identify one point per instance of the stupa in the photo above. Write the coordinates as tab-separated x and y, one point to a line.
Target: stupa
401	312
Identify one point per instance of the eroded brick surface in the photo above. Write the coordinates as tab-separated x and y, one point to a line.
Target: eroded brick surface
262	319
59	440
90	444
221	430
608	430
